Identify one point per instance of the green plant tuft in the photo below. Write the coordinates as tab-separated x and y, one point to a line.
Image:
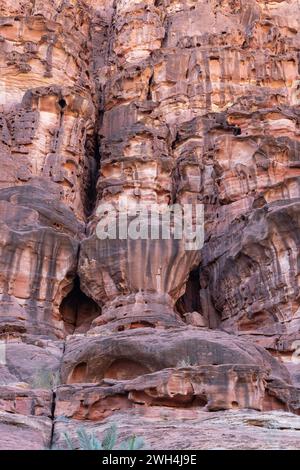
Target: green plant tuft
187	362
89	441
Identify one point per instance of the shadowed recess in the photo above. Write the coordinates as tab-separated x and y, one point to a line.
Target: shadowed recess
78	311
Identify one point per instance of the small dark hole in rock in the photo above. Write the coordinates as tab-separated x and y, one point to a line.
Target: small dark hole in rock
237	131
62	103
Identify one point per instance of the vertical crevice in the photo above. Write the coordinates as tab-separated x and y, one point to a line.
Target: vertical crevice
53	404
91	172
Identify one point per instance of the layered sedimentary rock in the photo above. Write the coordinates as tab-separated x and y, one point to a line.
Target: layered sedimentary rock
165	102
165	427
38	254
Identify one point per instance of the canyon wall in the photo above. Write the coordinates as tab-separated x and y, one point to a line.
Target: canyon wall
161	102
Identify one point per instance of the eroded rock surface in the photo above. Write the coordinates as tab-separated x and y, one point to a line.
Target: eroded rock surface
159	102
165	428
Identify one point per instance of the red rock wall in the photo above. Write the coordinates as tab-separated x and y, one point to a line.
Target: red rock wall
168	101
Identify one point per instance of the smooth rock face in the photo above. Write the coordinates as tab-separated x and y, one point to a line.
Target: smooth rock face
159	102
139	281
21	432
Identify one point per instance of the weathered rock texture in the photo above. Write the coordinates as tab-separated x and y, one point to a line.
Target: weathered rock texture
186	429
157	101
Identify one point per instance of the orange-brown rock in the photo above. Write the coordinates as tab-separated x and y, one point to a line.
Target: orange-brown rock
156	102
209	387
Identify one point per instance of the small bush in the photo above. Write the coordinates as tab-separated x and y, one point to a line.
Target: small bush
88	441
185	363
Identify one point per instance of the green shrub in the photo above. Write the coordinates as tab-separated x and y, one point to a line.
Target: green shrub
88	441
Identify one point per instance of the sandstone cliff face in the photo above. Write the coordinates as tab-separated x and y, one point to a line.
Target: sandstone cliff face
158	101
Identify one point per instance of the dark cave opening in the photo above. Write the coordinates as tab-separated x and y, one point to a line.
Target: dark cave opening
78	310
237	131
190	301
62	103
